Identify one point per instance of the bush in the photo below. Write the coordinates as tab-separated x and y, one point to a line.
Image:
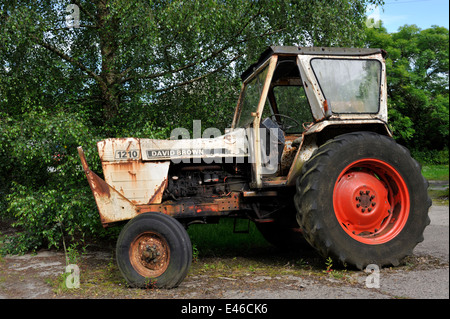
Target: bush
43	187
431	157
46	214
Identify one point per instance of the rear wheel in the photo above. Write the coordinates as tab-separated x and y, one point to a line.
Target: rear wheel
154	250
362	198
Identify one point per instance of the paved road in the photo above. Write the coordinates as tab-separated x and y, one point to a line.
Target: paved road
25	276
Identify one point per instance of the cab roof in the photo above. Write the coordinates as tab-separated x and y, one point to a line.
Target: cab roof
294	50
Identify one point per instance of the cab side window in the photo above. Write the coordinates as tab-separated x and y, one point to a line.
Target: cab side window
292	102
290	107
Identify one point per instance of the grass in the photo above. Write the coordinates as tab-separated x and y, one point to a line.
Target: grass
218	239
436	172
439	196
218	253
221	253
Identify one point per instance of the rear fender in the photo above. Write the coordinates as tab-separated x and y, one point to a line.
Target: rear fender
320	132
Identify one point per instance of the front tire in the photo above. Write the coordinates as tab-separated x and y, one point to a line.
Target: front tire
361	198
153	250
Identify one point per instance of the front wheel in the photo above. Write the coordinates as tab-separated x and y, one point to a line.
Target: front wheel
362	198
154	250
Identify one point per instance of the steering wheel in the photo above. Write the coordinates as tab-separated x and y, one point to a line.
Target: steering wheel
285	127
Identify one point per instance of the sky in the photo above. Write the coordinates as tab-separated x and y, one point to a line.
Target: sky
423	13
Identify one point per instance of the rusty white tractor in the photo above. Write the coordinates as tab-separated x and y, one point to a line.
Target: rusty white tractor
308	158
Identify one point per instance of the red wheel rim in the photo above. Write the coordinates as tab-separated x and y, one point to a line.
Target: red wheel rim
371	201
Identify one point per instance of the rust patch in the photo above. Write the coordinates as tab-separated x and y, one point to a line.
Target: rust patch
158	192
289	152
195	207
98	186
149	254
112	205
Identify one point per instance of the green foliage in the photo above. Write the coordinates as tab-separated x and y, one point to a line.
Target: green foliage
132	68
431	157
43	186
417	72
214	238
329	264
128	54
437	172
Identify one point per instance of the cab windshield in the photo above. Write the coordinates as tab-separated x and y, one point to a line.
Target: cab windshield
250	98
350	86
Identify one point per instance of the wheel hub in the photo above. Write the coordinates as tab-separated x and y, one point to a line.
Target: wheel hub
365	198
356	196
365	201
149	254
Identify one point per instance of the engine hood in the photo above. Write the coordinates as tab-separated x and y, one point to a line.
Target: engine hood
232	144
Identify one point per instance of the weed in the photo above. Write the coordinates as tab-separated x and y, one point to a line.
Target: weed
195	253
329	265
59	283
209	266
439	196
150	284
72	254
301	263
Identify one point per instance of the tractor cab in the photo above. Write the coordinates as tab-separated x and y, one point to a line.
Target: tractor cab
292	95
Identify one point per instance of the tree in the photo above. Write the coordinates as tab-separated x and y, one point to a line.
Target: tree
128	49
76	71
418	83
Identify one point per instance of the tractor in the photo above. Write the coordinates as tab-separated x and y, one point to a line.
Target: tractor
309	158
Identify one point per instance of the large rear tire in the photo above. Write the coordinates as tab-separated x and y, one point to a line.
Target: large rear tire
361	198
154	250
